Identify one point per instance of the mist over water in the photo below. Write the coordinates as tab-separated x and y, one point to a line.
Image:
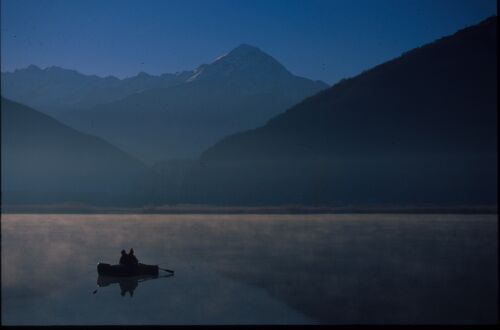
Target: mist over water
253	269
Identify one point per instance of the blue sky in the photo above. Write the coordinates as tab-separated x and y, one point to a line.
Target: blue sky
318	39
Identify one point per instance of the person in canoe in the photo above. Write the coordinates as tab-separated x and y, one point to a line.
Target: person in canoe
124	259
129	260
132	258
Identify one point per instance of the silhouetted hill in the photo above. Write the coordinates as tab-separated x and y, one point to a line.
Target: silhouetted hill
419	128
239	90
41	156
55	89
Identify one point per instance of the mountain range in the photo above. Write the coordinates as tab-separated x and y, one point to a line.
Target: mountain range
421	128
53	90
170	116
418	129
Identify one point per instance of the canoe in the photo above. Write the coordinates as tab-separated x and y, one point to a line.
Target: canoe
119	270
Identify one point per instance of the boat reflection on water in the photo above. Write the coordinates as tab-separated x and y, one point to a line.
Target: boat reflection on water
127	284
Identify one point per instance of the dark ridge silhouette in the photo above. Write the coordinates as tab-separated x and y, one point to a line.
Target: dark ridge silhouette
240	90
46	161
441	97
421	128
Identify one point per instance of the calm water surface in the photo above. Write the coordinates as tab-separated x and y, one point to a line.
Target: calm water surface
252	269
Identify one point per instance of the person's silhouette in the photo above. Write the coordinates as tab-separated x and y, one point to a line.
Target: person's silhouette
132	258
124	259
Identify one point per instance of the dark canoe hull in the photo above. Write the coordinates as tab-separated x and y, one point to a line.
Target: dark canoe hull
120	271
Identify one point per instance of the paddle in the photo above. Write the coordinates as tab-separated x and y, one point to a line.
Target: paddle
167	270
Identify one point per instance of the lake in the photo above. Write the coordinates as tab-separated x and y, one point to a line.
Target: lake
252	269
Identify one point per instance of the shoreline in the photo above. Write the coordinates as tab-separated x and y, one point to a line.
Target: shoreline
206	209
